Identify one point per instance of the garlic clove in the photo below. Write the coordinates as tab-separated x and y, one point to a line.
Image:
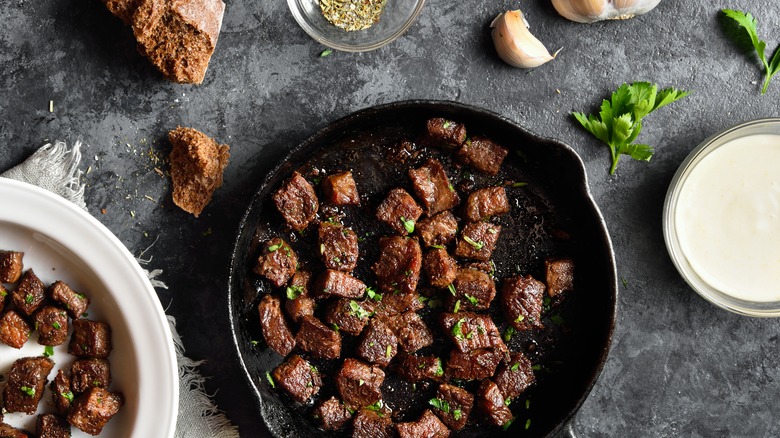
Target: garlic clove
589	11
514	42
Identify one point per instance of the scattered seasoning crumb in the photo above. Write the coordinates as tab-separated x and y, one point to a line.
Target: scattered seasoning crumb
51	106
352	15
103	211
558	91
132	213
325	53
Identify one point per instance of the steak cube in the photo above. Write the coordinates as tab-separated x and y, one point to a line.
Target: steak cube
438	230
338	247
277	262
427	426
521	301
29	294
61	393
378	344
482	154
333	414
75	303
445	133
485	203
417	368
488	267
474	365
7	431
14	330
411	331
339	284
440	268
52	325
471	331
26	382
297	201
458	403
316	338
433	188
299	301
395	303
359	384
340	189
514	377
90	373
560	276
348	315
11	266
51	426
298	378
398	267
399	211
372	424
474	289
90	339
490	402
92	410
273	326
477	241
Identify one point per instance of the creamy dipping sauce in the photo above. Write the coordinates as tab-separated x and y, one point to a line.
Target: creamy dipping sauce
728	218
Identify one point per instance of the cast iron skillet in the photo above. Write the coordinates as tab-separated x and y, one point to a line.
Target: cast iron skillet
554	215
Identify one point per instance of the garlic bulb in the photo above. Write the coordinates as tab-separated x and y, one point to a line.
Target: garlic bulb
514	42
589	11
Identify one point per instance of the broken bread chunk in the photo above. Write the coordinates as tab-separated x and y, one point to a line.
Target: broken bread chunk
197	163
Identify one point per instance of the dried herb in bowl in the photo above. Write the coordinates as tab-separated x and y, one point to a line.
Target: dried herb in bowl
352	15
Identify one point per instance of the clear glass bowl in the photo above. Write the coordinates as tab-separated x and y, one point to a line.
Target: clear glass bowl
672	233
396	18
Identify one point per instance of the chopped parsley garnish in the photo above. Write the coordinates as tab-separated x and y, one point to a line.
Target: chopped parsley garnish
457	329
27	390
270	379
437	246
408	273
335	326
472	300
624	281
536	367
408	225
508	333
452	189
361	382
446	124
29	299
528	403
557	319
374	295
439	369
508	401
456	414
273	248
477	245
254	343
507	424
388	351
68	396
376	407
48	351
56	325
520	318
294	291
81	296
3	292
451	287
440	404
357	311
527	423
519	184
326	52
434	303
457	307
515	367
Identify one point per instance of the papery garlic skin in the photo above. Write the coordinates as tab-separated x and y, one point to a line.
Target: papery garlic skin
589	11
514	42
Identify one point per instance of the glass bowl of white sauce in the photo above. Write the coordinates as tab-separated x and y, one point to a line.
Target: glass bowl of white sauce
721	219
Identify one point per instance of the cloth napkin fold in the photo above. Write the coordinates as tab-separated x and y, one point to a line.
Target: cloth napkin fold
54	167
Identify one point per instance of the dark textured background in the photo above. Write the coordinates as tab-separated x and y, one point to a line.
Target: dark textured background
678	367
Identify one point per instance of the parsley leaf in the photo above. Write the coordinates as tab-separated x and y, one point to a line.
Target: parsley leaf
357	310
273	248
456	414
374	295
28	390
440	404
457	307
451	287
749	23
326	52
48	351
457	329
408	225
270	379
476	245
294	291
473	300
508	333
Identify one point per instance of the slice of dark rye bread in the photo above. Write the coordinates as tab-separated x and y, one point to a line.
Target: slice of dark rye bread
197	163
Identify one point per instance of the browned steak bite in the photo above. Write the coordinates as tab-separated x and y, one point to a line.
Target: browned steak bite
298	378
475	365
14	330
277	262
297	201
477	241
514	377
445	133
316	338
471	331
417	368
348	315
372	424
411	331
338	247
275	331
454	406
90	373
393	304
427	426
488	267
91	411
398	267
25	384
90	339
299	301
438	230
340	189
521	301
399	211
378	344
359	384
560	275
474	289
485	203
440	268
7	431
75	303
433	188
29	294
491	403
482	154
333	414
52	325
339	284
51	426
61	393
11	266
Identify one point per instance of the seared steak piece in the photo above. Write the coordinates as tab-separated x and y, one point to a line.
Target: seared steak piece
427	426
474	289
316	338
482	154
395	303
338	247
297	201
457	403
560	275
477	241
488	267
398	267
485	203
475	365
61	393
52	325
90	373
471	331
299	301
399	211
51	426
299	378
29	294
350	316
445	133
333	414
416	368
91	411
491	404
438	230
277	262
359	384
378	345
440	268
14	330
340	189
339	284
521	301
25	384
433	188
75	303
7	431
275	331
372	424
11	266
90	339
411	331
514	377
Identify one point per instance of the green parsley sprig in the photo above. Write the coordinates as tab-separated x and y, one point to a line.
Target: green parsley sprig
749	23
